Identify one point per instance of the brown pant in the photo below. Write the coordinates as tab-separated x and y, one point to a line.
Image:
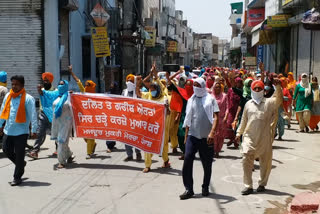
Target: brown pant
304	119
265	161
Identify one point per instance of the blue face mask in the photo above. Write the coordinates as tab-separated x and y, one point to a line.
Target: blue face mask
63	88
267	88
154	93
187	73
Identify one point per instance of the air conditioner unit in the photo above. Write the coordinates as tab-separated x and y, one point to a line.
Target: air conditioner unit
69	4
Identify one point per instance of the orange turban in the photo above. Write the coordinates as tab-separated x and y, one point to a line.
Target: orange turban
257	83
91	88
130	77
48	76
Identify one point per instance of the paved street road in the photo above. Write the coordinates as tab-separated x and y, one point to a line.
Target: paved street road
106	184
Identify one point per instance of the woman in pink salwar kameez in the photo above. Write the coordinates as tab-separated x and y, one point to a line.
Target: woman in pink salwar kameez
233	104
221	128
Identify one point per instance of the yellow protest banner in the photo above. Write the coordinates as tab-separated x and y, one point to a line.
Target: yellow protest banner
100	41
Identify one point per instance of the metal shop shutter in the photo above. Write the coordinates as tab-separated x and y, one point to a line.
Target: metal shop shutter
21	43
316	54
303	50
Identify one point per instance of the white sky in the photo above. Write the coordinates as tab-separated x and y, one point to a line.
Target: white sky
208	16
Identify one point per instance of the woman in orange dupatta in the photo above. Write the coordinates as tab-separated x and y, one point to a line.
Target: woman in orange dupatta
315	117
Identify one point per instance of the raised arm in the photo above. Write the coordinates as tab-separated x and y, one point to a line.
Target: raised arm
138	92
80	85
261	66
277	98
176	74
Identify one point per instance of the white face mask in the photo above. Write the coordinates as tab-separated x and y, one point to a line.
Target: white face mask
199	92
257	96
304	80
130	86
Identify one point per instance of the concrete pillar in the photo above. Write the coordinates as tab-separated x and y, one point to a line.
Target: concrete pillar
129	48
51	42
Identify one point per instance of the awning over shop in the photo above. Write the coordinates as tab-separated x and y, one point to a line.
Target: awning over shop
260	36
256	4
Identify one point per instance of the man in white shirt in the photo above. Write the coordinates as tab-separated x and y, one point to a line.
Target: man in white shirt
200	122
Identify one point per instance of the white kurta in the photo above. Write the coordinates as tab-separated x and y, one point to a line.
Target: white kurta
61	131
256	123
256	129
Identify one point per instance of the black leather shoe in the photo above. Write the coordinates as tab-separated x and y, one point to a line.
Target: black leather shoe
205	192
261	189
16	182
186	195
247	191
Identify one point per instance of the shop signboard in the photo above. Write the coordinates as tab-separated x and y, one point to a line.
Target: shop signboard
172	46
152	33
278	21
243	44
255	16
99	15
251	61
100	41
260	50
284	2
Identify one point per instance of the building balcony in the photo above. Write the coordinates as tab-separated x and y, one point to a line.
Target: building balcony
235	43
235	19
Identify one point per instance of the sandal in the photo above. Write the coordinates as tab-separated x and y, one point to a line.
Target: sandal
60	166
146	170
181	157
166	164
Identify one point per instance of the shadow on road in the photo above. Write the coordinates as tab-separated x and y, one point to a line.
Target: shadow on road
102	157
257	166
280	162
314	186
233	148
175	154
114	150
229	157
167	171
34	184
274	192
2	155
280	147
101	166
223	199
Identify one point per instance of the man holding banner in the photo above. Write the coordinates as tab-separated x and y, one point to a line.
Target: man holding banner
156	93
136	122
130	91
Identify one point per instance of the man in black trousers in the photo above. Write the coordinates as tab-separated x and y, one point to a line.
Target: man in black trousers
18	110
200	122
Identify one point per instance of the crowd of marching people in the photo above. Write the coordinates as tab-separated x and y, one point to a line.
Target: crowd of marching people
245	109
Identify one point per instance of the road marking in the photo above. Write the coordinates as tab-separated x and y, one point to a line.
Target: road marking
237	165
249	199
